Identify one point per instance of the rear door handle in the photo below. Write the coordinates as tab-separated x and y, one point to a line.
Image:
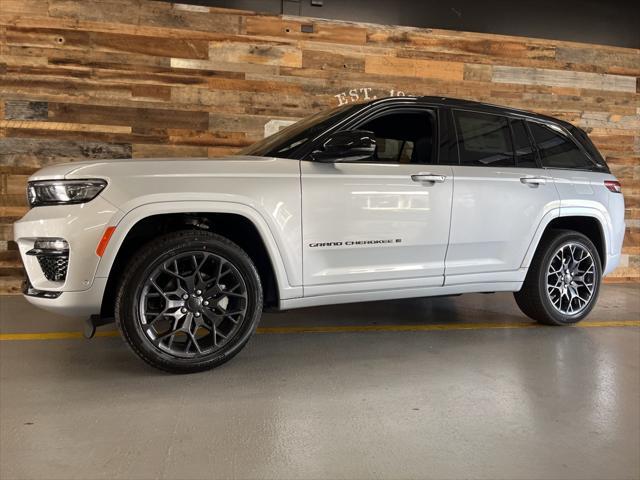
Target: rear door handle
428	177
534	181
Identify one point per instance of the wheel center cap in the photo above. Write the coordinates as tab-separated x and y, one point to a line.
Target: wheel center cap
194	303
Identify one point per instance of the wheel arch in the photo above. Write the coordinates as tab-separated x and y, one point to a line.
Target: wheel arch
239	223
590	223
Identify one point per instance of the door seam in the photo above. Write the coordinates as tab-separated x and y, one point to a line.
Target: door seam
446	251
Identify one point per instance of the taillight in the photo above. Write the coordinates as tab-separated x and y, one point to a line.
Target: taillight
613	186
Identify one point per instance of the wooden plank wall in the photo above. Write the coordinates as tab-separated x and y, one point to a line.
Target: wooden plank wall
120	78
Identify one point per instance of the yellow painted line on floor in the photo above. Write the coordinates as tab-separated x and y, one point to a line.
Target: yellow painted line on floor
340	329
612	323
53	335
430	328
392	328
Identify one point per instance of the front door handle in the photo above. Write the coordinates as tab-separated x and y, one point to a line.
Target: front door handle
533	181
428	177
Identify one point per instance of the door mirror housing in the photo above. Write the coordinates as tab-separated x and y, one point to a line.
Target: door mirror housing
347	146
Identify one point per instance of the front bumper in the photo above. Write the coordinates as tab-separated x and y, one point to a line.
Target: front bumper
82	226
81	304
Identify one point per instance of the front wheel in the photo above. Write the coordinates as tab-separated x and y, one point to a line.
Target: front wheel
563	281
189	301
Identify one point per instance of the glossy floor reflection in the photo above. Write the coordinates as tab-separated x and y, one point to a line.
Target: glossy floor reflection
483	403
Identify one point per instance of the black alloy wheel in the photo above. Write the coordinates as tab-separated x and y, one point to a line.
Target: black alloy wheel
189	302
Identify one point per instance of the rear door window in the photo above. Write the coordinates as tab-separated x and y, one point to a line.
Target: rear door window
483	139
557	150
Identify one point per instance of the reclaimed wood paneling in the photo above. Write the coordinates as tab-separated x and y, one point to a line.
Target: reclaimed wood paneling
96	79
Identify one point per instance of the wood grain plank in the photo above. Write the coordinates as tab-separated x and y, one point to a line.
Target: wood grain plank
16	170
25	110
14	199
256	86
406	67
14	184
421	43
11	285
62	126
291	28
138	117
59	88
107	11
137	135
10	259
157	14
224	66
255	53
161	14
154	46
215	152
225	122
145	150
22	7
625	62
478	73
39	152
54	56
48	37
539	76
155	92
315	59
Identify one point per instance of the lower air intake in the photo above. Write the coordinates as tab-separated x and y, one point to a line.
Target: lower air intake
54	267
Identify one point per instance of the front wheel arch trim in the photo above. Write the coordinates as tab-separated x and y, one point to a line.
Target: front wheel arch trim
131	218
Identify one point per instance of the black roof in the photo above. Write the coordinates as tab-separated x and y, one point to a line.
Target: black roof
479	106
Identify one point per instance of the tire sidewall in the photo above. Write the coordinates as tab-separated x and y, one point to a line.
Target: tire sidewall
558	317
127	311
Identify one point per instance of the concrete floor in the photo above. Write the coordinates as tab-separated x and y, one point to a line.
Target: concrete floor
482	402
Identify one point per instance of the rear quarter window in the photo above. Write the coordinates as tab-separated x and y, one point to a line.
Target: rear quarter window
588	145
557	150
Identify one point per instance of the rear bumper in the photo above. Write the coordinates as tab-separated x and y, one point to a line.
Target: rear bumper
75	304
611	263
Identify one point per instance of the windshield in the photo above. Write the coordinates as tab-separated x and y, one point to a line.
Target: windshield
285	142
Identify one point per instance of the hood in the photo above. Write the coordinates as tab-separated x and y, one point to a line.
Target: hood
144	167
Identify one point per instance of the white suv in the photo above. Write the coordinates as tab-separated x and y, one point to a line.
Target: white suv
396	198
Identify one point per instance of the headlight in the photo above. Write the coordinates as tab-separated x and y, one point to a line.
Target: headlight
63	192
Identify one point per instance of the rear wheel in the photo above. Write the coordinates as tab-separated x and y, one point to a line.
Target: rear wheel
563	281
189	302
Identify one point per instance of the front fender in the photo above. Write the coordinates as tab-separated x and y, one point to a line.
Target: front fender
127	221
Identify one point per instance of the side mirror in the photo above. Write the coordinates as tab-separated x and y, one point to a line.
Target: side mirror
347	146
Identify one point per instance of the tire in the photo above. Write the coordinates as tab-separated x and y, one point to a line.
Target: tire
179	297
545	295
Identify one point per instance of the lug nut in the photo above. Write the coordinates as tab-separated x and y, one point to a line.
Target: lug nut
198	292
205	303
185	296
183	310
197	314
